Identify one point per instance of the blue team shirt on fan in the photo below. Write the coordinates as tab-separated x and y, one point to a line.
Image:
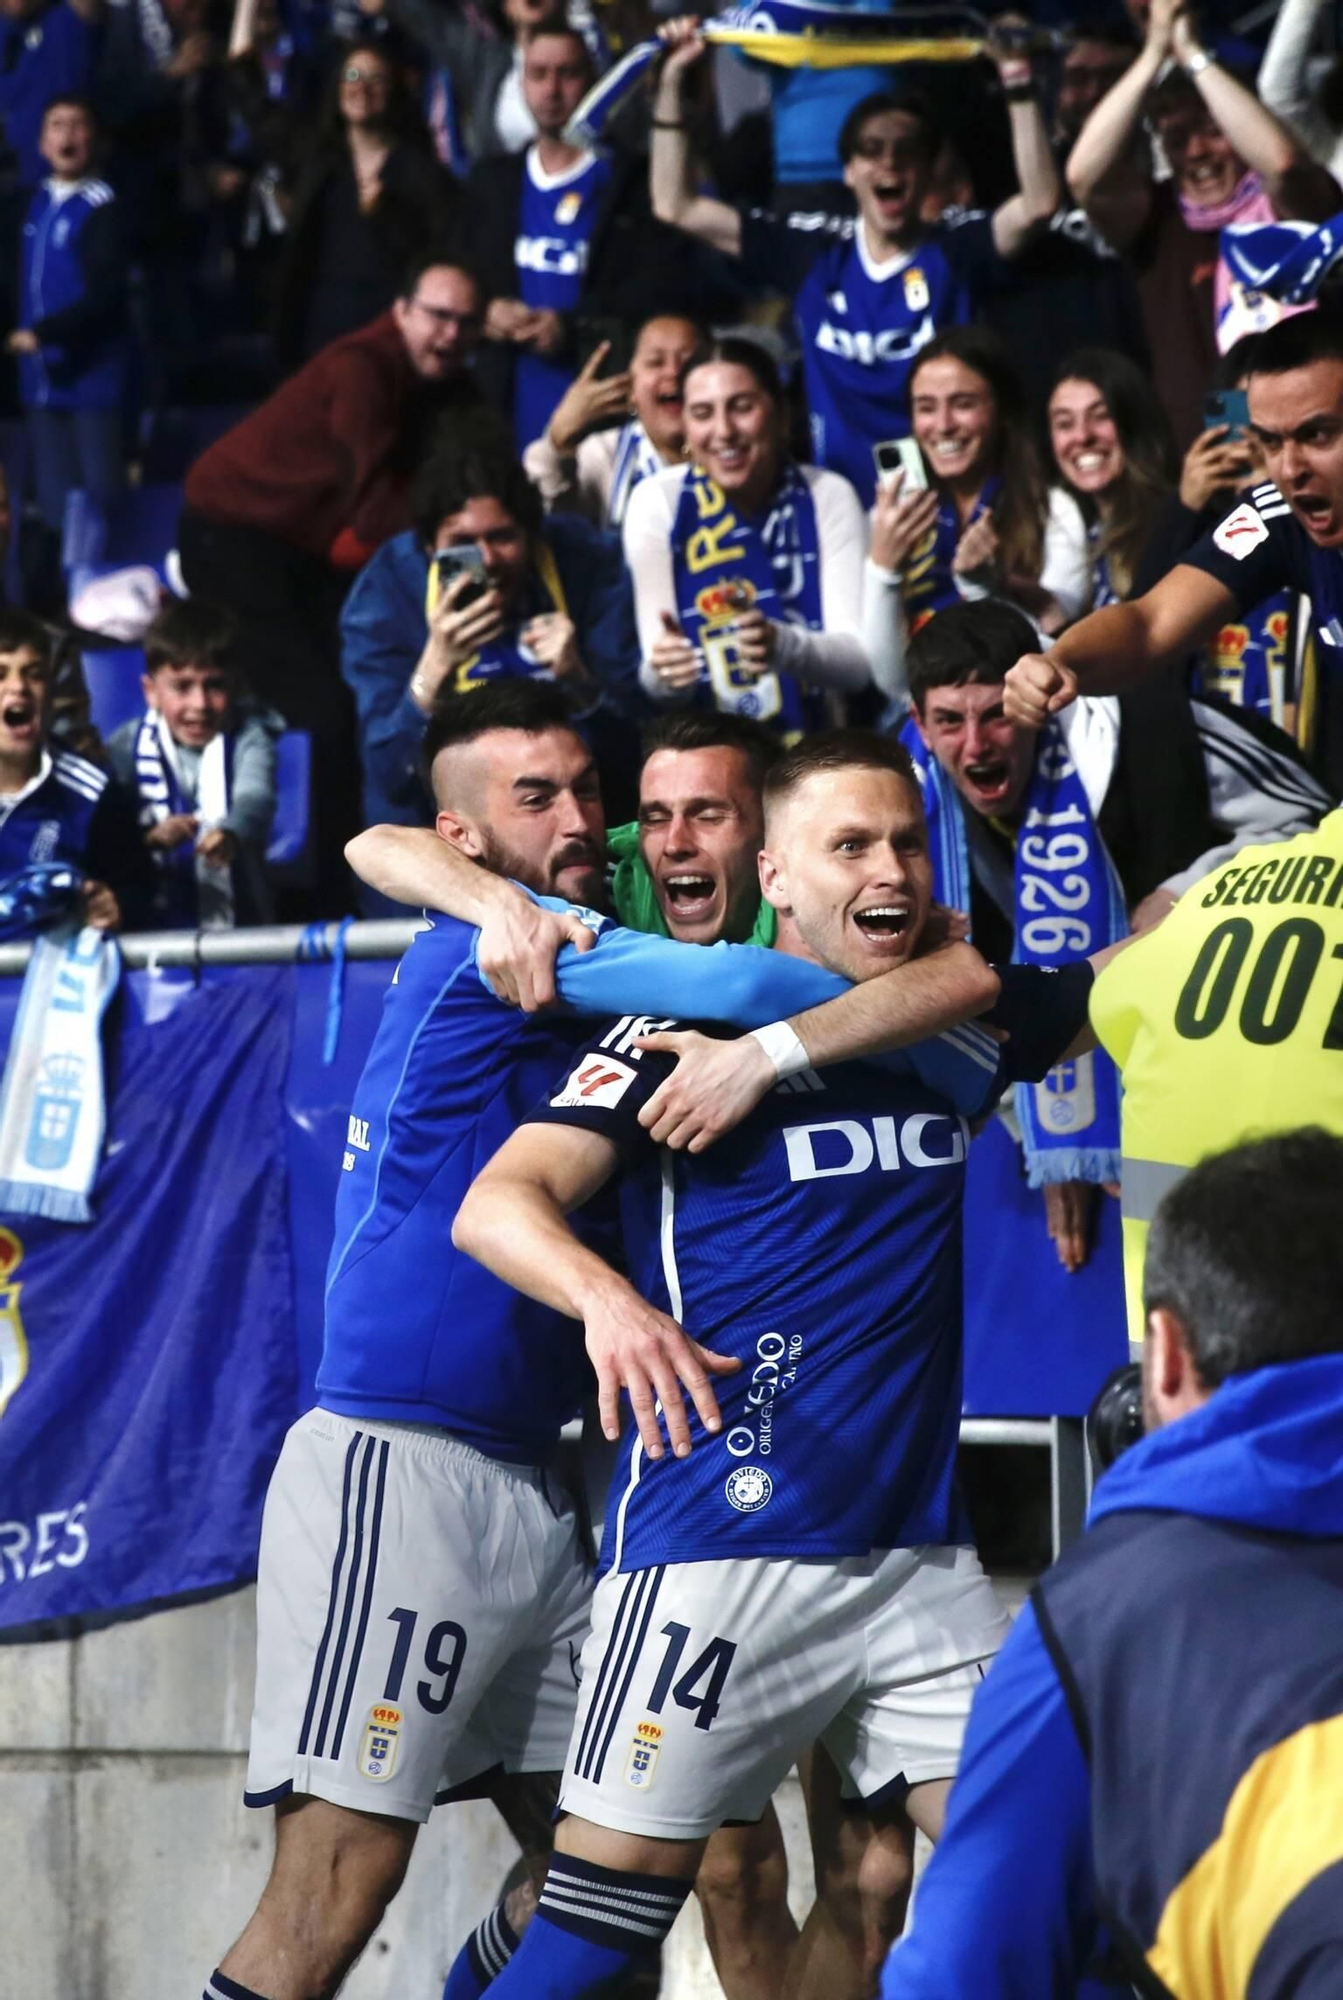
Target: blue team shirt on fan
415	1331
556	218
820	1243
862	325
51	819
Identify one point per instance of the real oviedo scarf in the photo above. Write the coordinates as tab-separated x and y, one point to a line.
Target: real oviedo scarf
182	872
725	563
1068	904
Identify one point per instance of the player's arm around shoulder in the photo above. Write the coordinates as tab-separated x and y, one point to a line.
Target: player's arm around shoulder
519	938
513	1220
716	1084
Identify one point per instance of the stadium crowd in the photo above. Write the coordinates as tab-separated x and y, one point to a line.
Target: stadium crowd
404	433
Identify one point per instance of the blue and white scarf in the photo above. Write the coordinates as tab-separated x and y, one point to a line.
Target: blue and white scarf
725	563
52	1109
792	34
1102	589
187	883
930	581
636	459
1288	260
1069	903
1247	662
507	654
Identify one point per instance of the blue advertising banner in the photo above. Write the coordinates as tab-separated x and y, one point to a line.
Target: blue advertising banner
147	1360
151	1361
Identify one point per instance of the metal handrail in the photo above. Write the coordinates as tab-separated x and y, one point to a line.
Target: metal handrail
265	944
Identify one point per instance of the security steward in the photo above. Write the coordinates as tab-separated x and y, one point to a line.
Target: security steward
1226	1020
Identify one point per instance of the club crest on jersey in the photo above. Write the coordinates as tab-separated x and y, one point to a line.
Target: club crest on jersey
567	207
645	1749
748	1488
598	1080
1241	532
917	296
377	1752
718	602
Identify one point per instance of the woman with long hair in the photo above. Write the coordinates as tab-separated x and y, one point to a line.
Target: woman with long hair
989	523
748	568
1115	453
370	196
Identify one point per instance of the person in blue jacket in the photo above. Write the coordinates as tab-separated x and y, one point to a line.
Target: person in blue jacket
544	599
1159	1747
71	339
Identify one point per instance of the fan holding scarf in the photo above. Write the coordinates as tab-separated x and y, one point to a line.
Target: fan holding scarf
749	569
1053	843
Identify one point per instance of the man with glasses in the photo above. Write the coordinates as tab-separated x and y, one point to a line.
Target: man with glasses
286	506
867	296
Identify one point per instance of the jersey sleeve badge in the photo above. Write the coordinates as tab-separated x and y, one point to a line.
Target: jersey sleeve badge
1241	532
598	1082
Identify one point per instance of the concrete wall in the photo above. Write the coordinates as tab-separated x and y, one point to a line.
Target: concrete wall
130	1862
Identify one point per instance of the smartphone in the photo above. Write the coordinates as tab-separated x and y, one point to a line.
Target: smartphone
465	561
901	455
591	330
1226	406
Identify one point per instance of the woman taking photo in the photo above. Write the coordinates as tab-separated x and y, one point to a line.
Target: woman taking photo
987	525
748	568
1114	452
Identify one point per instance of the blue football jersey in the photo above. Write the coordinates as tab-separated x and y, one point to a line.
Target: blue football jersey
415	1331
862	325
53	816
820	1243
555	222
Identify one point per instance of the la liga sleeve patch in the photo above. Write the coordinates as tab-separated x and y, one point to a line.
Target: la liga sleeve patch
1241	532
598	1082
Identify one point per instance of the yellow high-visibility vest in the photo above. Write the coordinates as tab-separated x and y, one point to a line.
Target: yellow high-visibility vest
1227	1021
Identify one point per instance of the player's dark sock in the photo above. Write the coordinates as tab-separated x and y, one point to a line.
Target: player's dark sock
220	1987
482	1958
595	1928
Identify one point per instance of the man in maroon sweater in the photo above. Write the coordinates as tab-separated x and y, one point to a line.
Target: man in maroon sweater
286	507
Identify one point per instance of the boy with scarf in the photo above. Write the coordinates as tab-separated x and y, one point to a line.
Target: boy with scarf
203	774
1054	844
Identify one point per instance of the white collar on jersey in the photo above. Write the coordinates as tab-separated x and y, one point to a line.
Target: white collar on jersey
892	267
544	181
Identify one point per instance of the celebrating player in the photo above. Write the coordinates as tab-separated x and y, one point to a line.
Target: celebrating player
803	1573
421	1591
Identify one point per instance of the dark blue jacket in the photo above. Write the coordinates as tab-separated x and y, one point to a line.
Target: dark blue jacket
1159	1747
72	295
383	630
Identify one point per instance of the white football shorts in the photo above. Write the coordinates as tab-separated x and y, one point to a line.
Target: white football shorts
703	1682
420	1610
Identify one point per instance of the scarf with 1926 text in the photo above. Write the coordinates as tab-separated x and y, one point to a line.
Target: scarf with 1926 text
1069	904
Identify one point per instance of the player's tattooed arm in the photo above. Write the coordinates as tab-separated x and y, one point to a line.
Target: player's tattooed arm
514	1222
519	941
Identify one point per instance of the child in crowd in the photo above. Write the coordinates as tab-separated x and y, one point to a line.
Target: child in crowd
71	339
55	806
203	773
